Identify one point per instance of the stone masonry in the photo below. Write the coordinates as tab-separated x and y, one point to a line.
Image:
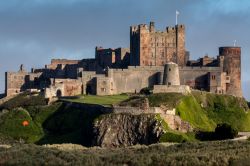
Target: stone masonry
128	70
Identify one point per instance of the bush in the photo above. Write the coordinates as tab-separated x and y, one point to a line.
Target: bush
173	137
225	131
146	91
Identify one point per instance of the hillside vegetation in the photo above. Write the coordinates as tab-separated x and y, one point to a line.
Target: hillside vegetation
62	123
56	123
205	110
197	153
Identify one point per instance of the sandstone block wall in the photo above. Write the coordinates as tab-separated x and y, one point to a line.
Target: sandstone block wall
17	82
232	66
184	89
133	79
154	48
197	77
64	87
116	58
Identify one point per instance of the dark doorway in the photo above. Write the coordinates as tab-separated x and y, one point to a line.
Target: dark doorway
88	90
58	93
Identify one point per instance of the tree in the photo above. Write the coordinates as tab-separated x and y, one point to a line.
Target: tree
225	131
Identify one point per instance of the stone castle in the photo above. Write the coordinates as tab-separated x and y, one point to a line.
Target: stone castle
155	59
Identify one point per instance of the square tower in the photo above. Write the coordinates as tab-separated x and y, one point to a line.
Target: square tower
149	47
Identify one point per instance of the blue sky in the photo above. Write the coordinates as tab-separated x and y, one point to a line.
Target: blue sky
34	31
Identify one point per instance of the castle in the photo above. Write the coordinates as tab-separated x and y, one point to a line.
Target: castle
155	59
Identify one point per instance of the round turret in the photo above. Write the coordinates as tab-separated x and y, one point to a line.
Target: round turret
171	74
232	66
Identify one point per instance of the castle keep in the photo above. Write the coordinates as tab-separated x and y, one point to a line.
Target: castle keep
155	59
155	48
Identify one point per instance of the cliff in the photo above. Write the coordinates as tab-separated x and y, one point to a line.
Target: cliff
114	130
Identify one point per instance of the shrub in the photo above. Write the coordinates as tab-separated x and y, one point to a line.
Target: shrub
146	91
225	131
172	137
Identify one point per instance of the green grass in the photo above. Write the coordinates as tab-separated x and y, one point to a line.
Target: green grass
11	122
206	110
11	125
189	110
177	137
168	99
100	100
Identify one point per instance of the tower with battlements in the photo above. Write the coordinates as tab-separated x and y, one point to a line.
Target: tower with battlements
149	47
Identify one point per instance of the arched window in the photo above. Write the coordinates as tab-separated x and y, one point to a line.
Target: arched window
58	93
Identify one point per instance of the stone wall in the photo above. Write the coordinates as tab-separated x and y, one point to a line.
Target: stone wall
64	87
17	82
132	80
197	77
173	121
55	63
115	58
184	89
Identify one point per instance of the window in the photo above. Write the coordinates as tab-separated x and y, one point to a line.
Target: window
103	89
213	77
169	83
169	69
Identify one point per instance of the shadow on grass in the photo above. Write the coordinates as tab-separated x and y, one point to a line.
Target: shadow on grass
70	125
205	136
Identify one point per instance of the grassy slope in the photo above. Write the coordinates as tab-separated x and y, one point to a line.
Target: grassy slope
205	110
211	109
189	110
202	110
101	100
11	125
11	122
56	123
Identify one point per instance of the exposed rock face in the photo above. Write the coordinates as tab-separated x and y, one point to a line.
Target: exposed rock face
114	130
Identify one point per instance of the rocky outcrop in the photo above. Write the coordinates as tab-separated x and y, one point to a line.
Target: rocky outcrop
115	130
